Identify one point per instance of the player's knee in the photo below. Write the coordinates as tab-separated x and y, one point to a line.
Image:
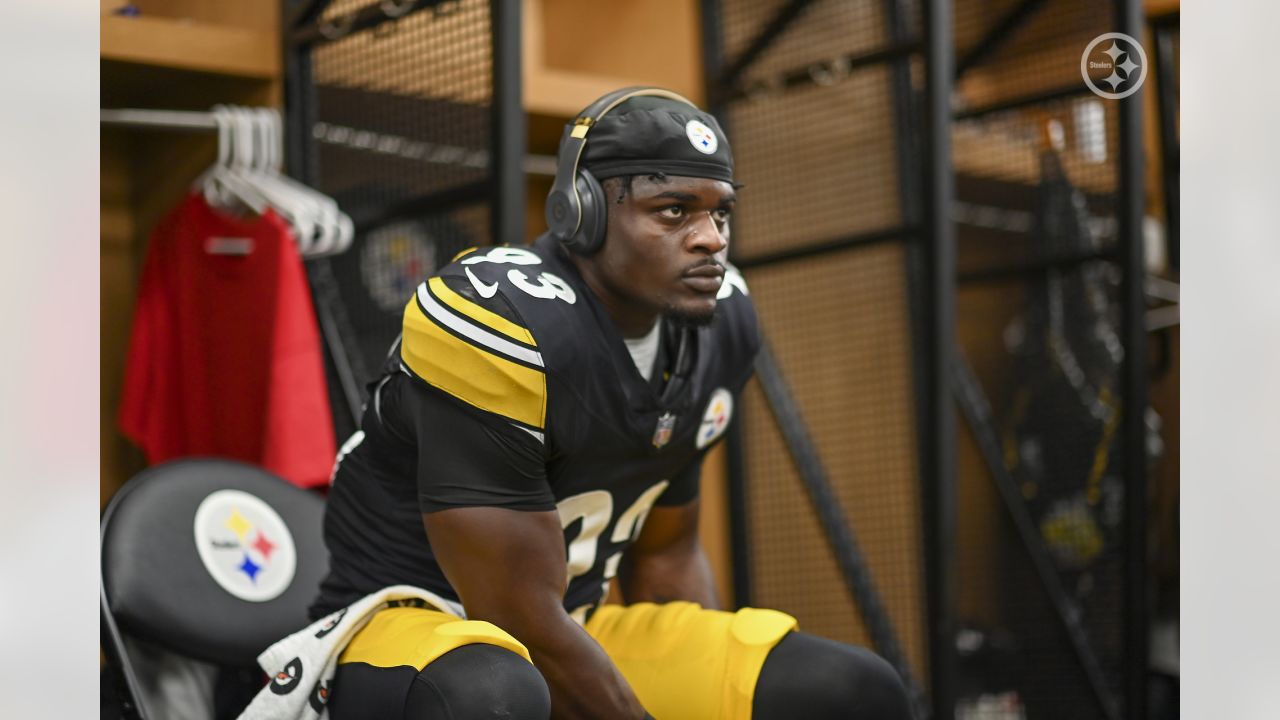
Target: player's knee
878	691
479	681
821	678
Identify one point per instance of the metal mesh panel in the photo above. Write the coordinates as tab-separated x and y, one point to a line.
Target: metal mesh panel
1039	55
403	108
826	29
837	325
998	164
1039	323
401	139
824	152
1004	145
378	275
818	163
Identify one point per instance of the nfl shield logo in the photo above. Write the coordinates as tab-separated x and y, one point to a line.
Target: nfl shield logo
662	433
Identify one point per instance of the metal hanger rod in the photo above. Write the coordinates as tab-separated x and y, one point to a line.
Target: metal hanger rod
167	119
188	120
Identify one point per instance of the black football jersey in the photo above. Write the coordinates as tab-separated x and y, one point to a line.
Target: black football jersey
511	387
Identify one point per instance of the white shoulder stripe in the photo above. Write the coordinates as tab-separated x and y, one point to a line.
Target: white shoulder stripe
377	397
474	332
541	438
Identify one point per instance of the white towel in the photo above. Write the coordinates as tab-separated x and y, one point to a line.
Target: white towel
301	666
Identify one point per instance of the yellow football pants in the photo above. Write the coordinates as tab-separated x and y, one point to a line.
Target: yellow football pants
682	661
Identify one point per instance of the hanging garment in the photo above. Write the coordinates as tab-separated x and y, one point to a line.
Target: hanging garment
225	357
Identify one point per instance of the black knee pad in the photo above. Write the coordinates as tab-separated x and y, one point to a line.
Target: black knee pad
812	677
479	681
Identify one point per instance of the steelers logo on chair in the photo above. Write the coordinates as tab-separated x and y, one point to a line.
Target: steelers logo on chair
244	545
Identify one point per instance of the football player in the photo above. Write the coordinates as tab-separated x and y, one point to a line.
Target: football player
539	431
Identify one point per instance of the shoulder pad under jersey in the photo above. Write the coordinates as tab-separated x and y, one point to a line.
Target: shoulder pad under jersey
469	343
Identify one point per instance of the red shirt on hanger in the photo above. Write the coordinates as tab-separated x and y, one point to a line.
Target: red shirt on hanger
225	356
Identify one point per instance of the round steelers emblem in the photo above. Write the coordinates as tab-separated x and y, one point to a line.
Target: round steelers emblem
701	137
244	545
395	258
716	419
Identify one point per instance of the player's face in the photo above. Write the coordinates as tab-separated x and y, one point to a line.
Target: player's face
665	248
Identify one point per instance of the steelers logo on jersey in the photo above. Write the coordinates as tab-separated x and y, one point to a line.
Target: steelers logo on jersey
716	419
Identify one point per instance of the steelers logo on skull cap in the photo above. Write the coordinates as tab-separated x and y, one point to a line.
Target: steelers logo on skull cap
647	135
701	137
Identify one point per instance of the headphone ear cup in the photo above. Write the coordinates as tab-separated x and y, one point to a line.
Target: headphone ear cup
559	214
590	235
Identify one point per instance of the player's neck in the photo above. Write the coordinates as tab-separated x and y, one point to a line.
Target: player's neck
632	320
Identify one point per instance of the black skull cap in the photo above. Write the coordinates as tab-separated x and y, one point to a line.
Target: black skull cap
646	135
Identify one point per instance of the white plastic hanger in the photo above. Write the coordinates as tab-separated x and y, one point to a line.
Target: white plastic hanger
247	171
251	161
324	209
343	230
233	178
219	184
335	231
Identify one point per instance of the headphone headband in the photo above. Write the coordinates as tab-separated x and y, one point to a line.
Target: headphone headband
601	107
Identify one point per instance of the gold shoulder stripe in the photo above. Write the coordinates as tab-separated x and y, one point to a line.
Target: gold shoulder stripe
472	374
468	251
485	317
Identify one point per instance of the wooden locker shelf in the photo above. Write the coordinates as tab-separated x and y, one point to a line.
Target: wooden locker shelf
574	51
187	45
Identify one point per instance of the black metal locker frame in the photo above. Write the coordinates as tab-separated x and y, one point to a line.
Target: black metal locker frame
940	372
1130	212
923	142
937	344
1163	28
504	185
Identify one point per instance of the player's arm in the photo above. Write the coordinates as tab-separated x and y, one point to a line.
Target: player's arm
478	419
667	561
491	521
508	567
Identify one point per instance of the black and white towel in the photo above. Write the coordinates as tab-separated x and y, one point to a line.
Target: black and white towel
301	666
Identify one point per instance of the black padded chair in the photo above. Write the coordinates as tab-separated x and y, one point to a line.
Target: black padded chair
220	604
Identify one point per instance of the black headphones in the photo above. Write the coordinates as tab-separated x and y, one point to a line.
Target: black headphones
576	204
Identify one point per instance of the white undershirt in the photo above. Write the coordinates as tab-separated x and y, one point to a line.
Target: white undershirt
644	350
